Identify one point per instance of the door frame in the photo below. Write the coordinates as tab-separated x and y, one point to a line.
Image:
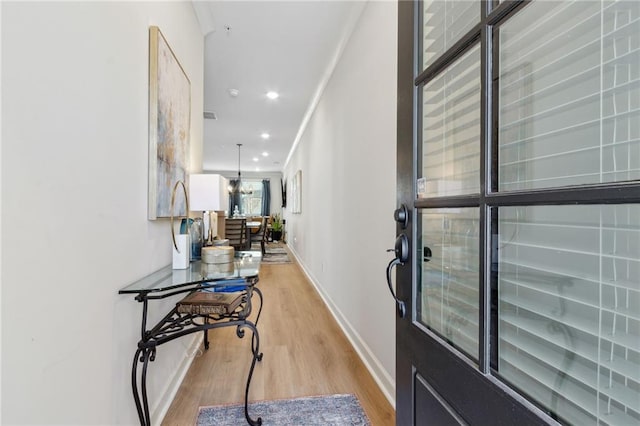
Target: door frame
406	104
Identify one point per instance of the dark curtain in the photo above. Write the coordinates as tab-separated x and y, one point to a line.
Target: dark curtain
234	197
266	198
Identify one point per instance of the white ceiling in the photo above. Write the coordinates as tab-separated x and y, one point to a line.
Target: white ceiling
259	46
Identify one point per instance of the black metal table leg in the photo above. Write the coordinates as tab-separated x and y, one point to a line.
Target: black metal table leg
143	355
257	290
254	347
134	386
256	338
147	353
206	335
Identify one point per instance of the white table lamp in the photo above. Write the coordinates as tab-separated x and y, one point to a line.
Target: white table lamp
208	193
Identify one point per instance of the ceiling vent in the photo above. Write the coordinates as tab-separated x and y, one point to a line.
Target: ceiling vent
210	115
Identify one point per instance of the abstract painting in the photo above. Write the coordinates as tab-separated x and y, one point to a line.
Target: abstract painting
169	121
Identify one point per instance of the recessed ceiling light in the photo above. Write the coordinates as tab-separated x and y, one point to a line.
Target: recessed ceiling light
234	93
255	158
265	135
272	95
265	154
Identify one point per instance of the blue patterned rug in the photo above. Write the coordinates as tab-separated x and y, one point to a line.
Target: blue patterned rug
329	410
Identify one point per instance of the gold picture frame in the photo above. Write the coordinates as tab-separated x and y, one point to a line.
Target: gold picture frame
169	124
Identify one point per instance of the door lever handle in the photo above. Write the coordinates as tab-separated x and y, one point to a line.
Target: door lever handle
401	251
402	310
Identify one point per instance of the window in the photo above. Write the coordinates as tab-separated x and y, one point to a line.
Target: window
530	217
252	203
446	21
568	276
449	296
569	95
569	308
451	128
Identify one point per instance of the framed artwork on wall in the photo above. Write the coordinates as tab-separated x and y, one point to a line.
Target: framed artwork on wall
169	122
296	193
283	188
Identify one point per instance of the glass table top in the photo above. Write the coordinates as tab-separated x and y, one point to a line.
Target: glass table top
245	266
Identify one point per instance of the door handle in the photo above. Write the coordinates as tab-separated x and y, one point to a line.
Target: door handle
401	251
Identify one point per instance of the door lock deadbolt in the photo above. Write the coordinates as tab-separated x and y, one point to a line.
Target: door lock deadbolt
401	215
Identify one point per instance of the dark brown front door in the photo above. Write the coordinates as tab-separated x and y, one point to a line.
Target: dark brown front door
519	161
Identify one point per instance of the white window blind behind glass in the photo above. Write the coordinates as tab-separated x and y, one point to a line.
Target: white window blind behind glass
570	94
569	276
445	22
451	128
449	295
569	309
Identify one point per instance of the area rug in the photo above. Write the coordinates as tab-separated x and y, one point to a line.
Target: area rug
276	255
329	410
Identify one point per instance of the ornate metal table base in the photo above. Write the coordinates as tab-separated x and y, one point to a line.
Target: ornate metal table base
175	325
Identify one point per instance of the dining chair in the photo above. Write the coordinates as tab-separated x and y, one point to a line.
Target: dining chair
235	231
261	235
268	230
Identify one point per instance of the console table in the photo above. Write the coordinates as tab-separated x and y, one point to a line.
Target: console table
241	276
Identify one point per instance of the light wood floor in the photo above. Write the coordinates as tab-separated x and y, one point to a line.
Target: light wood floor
305	353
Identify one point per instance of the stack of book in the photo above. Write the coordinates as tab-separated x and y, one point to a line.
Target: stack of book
206	303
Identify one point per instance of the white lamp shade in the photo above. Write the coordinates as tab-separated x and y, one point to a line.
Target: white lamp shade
207	192
224	193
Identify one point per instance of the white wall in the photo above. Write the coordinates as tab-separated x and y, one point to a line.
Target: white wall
74	205
347	155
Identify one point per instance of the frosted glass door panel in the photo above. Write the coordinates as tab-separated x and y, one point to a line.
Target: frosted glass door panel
448	293
569	309
569	94
451	129
445	22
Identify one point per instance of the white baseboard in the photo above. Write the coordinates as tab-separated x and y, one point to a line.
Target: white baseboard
371	362
165	401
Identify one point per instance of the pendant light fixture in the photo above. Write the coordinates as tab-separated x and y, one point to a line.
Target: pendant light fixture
238	185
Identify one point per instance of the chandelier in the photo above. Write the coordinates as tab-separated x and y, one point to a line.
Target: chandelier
238	187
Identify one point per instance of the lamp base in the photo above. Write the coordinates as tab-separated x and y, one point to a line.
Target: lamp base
181	256
209	240
211	226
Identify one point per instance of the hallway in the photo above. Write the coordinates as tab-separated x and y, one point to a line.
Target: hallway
305	353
